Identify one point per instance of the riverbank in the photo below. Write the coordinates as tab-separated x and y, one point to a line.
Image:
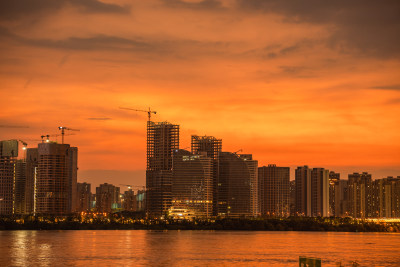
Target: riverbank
119	222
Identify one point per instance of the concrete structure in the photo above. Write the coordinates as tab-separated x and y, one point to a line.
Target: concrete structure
162	140
83	197
237	194
129	202
319	192
32	163
20	187
292	192
273	191
107	198
303	191
192	188
55	179
385	194
8	159
359	194
334	196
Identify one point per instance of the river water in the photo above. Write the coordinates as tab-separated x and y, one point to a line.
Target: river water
195	248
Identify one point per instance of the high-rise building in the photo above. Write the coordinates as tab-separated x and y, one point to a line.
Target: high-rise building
20	187
192	191
83	197
129	202
273	190
162	140
334	196
32	163
342	199
385	196
359	194
319	192
237	194
107	198
55	179
303	191
8	159
211	146
292	192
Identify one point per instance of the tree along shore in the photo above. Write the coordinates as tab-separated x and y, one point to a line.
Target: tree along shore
126	222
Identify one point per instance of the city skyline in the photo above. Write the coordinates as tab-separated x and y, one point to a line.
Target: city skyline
293	86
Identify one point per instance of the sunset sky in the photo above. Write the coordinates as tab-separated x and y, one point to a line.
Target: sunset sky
292	82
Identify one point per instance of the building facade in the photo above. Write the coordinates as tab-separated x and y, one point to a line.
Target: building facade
359	195
192	188
303	191
162	141
274	190
107	198
83	197
55	179
237	194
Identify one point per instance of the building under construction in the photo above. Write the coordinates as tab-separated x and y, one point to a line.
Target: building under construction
162	140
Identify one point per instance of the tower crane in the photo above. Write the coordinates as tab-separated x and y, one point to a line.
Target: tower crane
134	186
63	128
149	112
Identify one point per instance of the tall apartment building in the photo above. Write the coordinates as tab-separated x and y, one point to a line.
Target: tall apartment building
237	185
274	190
55	179
319	192
129	202
32	163
342	199
162	140
359	195
303	191
83	197
334	196
385	196
211	146
107	198
292	192
8	159
20	187
192	189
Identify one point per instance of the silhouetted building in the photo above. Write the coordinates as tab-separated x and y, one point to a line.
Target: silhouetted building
237	185
107	198
273	191
192	190
162	140
342	199
359	193
386	198
334	196
292	193
84	194
32	163
319	192
211	146
303	191
141	200
129	202
55	179
8	159
20	187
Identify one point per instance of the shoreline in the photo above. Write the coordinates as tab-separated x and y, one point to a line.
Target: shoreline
112	222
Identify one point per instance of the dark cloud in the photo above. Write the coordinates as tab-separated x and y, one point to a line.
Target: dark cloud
16	9
205	4
369	27
387	87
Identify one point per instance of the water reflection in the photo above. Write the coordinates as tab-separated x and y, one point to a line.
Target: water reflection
194	248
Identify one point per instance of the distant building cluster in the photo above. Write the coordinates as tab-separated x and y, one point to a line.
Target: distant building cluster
202	182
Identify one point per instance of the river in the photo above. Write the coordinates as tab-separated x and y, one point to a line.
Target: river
194	248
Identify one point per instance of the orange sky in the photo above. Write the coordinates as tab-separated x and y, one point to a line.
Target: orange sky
316	83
